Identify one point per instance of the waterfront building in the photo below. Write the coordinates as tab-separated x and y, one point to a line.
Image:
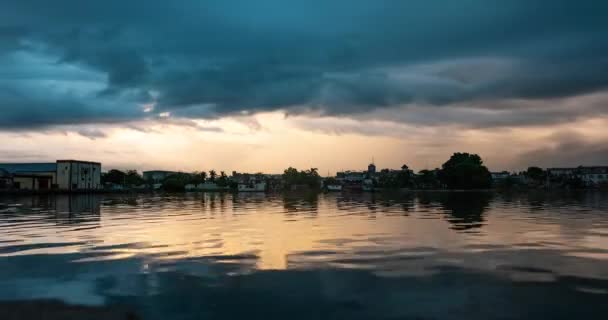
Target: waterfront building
590	176
257	182
68	175
371	169
252	186
593	175
499	176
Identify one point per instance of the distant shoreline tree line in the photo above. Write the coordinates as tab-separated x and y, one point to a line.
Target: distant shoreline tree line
462	171
173	182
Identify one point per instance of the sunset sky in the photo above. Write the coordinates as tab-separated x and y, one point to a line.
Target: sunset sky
262	85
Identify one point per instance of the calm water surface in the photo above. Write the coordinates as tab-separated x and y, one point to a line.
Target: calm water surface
333	256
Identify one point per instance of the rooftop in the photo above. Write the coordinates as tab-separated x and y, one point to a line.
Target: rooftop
79	161
28	167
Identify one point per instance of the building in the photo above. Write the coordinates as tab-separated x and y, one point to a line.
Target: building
30	176
258	182
350	176
561	172
593	176
590	176
78	175
6	180
499	176
157	175
252	186
371	169
61	175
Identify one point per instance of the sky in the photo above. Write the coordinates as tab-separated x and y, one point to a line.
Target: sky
263	85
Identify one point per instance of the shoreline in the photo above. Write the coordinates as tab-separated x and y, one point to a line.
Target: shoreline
380	191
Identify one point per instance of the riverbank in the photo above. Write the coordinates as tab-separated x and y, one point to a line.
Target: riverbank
403	190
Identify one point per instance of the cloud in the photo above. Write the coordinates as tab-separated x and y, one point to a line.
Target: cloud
100	62
506	113
567	150
91	133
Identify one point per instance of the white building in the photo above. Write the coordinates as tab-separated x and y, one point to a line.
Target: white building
591	176
78	175
252	186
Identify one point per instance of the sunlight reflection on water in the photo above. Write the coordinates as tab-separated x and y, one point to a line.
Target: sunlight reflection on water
339	250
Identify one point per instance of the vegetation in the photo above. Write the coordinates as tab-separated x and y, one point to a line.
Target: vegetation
330	181
395	179
222	181
427	179
129	178
178	181
113	176
465	171
536	175
309	178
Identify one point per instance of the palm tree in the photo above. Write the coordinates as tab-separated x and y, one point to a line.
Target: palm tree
212	175
204	175
223	181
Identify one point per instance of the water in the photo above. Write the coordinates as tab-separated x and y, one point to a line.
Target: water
359	256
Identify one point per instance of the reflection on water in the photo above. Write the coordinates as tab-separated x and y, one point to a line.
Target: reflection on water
403	256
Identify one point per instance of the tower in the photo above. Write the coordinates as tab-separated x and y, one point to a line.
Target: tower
371	168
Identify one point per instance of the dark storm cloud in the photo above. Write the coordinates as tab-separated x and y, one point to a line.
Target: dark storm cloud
218	57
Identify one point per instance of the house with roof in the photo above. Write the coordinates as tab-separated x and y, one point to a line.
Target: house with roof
69	175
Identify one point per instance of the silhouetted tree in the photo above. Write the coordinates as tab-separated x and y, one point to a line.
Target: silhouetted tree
427	179
113	176
133	178
310	177
536	174
465	171
223	180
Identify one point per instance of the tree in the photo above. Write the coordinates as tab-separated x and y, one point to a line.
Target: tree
212	175
536	174
174	183
428	179
197	178
465	171
310	177
113	176
291	176
177	181
133	178
223	180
